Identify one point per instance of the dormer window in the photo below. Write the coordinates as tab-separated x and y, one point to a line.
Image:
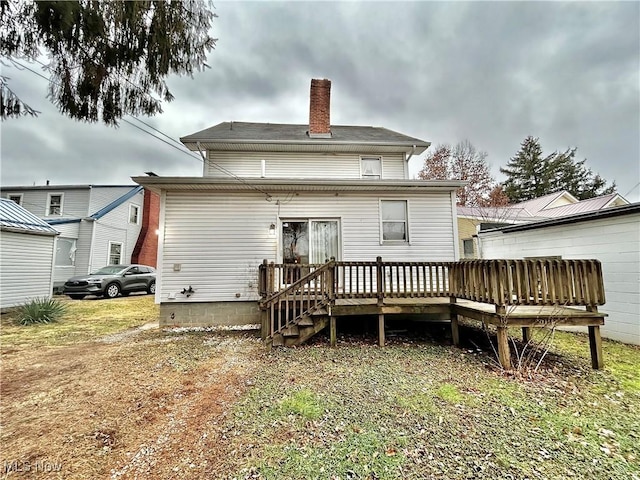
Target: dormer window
371	168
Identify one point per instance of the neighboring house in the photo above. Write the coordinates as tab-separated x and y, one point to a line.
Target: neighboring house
292	194
611	235
98	224
26	256
472	220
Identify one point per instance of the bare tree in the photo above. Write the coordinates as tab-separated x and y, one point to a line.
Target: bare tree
463	162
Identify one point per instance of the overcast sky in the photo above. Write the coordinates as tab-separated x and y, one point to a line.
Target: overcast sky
491	73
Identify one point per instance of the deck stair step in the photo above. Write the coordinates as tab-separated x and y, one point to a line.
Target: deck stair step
277	340
305	321
291	331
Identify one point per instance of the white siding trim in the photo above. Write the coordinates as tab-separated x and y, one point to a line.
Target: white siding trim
454	213
160	262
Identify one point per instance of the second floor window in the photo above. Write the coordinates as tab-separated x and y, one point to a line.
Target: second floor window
134	214
55	204
16	198
371	168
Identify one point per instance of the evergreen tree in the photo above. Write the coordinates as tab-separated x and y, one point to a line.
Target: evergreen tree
106	59
531	175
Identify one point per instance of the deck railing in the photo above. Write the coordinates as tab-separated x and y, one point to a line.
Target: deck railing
498	282
529	282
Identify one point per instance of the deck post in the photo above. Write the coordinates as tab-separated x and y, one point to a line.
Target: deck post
333	331
526	335
455	332
381	329
264	318
595	342
504	353
379	281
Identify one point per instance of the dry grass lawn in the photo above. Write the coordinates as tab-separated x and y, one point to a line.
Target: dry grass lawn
96	396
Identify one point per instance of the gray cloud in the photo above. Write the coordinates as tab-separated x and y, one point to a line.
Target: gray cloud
488	72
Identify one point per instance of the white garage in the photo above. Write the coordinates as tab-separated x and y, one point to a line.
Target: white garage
611	236
27	249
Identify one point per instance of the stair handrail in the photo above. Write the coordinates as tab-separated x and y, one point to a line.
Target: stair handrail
327	294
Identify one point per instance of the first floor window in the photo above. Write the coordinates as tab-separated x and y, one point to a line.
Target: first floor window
65	252
55	204
467	245
16	198
394	220
134	214
115	253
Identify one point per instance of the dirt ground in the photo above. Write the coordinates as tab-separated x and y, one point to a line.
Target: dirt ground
70	412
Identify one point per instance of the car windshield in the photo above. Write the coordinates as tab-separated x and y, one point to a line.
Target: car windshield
110	270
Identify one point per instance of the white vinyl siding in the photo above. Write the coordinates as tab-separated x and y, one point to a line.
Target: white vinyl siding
215	242
300	165
25	267
615	241
74	203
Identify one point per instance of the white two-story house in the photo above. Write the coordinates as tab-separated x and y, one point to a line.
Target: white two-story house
98	224
291	194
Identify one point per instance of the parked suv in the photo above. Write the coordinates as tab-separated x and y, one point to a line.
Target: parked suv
111	281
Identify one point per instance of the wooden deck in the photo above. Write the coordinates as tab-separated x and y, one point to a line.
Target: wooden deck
503	293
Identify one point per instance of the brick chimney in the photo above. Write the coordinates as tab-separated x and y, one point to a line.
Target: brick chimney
320	109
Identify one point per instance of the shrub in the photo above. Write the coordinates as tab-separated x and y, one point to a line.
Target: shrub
40	310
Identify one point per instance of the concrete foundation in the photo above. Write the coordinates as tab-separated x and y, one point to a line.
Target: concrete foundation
209	313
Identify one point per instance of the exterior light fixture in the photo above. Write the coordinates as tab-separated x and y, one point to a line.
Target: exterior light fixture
157	231
272	230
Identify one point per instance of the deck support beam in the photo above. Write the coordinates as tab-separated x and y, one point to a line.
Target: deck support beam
526	335
504	354
264	320
455	332
381	329
333	334
595	345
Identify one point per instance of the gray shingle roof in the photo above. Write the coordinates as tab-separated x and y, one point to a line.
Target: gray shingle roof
15	218
240	132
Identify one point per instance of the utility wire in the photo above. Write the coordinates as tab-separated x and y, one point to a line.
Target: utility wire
178	146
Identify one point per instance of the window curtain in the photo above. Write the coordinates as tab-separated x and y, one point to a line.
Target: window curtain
324	238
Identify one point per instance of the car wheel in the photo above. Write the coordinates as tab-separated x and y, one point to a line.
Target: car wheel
152	288
77	297
112	290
